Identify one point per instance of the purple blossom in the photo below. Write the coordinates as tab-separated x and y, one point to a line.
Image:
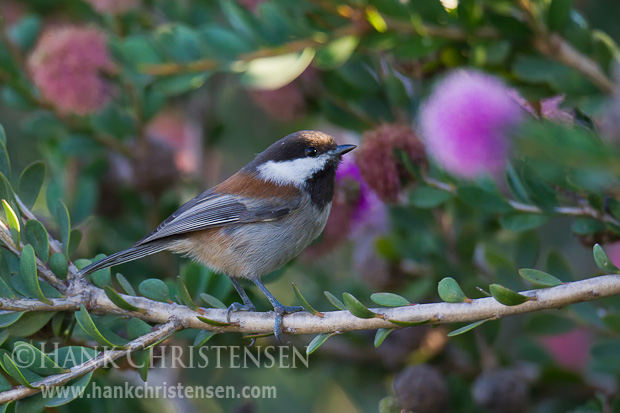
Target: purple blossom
466	123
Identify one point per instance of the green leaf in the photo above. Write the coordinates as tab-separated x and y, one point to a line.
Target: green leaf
142	360
137	328
336	53
557	264
518	221
483	200
88	325
202	337
539	278
212	301
381	335
5	164
125	285
34	359
155	289
30	323
102	277
9	317
334	300
13	222
276	71
74	389
28	266
357	308
30	183
59	265
64	225
558	14
120	301
305	303
184	294
401	323
389	300
318	342
507	296
9	366
2	135
466	328
214	322
602	260
75	237
427	197
25	31
584	226
450	291
36	235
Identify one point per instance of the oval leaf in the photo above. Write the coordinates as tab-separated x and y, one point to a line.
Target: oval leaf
466	328
64	225
357	308
202	337
34	359
305	303
381	335
59	265
539	278
212	301
276	71
450	291
30	183
507	296
125	285
334	300
184	294
155	289
389	300
318	342
215	323
13	222
28	267
602	260
70	391
9	366
120	301
36	235
522	222
88	325
427	197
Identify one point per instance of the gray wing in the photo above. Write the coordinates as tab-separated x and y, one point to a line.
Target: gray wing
211	209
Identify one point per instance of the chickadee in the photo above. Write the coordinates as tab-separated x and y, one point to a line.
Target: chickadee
255	221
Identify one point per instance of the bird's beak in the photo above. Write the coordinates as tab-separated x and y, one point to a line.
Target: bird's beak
342	149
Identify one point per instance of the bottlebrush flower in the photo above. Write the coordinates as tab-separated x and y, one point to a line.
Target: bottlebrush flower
67	66
379	165
466	122
113	6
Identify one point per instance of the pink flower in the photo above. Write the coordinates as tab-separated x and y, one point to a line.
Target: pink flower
113	6
67	65
465	123
570	350
381	169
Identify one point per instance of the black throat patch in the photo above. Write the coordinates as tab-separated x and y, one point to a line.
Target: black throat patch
320	186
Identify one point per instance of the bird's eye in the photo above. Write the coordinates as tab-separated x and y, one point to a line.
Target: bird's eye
311	152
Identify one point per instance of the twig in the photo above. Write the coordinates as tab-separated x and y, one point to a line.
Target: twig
98	361
305	323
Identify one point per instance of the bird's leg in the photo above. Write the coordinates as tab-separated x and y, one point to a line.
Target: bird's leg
278	308
247	304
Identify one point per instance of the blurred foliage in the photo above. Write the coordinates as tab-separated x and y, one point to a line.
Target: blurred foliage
199	86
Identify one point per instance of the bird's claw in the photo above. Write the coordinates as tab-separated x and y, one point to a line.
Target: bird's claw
280	312
238	307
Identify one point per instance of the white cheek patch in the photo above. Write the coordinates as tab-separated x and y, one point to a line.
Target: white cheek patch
294	172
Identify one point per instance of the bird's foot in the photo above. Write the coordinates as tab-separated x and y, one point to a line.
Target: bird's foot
280	311
234	307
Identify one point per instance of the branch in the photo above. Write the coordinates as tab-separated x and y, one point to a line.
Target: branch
100	360
95	300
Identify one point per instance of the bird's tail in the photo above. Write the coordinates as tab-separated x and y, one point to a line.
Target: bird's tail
130	254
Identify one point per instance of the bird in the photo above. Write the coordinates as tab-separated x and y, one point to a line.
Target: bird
254	222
